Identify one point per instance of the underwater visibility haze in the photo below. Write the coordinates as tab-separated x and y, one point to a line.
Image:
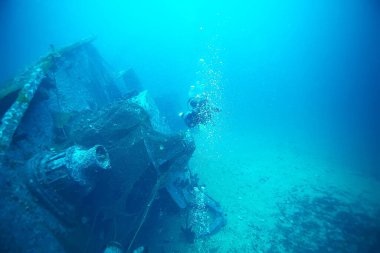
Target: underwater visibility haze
190	126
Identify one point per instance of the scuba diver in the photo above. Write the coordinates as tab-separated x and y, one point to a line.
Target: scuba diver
200	112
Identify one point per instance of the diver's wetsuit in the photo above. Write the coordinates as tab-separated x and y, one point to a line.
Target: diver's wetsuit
192	119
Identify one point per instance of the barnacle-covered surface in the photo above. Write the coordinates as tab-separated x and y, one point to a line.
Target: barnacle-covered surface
17	94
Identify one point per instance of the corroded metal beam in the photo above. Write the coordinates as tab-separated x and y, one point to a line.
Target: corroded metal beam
13	116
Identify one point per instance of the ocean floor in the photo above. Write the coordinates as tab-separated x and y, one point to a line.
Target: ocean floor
282	197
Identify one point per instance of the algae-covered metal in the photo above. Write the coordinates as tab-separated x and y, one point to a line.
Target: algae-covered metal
14	114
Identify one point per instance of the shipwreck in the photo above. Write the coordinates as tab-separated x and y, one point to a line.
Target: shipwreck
85	156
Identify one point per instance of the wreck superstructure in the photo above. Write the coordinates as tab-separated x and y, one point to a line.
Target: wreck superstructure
84	155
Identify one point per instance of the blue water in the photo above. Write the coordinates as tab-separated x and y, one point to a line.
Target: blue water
299	72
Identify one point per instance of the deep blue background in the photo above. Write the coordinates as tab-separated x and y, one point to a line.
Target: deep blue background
309	68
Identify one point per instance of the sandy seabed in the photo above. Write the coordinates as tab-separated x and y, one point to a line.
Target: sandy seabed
279	196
